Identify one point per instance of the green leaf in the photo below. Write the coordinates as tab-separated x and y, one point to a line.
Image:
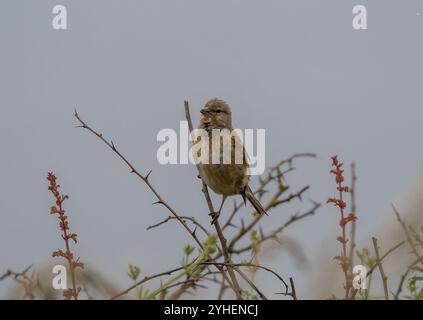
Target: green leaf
134	272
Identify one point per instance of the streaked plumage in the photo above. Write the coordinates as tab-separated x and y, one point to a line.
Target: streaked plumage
227	177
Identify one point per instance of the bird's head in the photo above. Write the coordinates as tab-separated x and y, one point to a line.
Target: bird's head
216	114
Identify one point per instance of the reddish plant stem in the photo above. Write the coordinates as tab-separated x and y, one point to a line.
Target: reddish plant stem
345	219
65	234
344	243
69	256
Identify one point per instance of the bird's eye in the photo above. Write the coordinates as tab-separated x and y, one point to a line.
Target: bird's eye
218	111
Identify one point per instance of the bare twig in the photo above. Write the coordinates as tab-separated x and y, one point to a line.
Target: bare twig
250	283
192	219
274	233
144	178
216	223
407	234
222	289
10	273
192	281
145	279
382	272
292	196
257	218
274	174
222	239
354	211
404	276
181	290
255	266
414	250
376	265
293	291
249	265
27	282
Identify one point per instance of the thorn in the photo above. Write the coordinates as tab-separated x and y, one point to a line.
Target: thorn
277	240
148	174
262	192
113	145
26	270
314	202
195	230
214	216
158	202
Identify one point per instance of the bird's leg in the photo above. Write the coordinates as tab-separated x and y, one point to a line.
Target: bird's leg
215	215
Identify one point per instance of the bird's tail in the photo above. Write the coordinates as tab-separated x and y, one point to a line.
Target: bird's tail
253	200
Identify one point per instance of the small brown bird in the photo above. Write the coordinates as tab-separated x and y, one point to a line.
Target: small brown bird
229	175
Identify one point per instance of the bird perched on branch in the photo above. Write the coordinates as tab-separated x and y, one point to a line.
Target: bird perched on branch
225	170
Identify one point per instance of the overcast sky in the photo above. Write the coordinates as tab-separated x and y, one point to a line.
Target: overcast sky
295	68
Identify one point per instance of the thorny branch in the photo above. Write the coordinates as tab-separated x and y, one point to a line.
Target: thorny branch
251	265
404	276
238	291
227	247
274	174
245	229
382	272
294	218
144	178
28	282
413	248
146	279
407	234
274	233
192	219
355	291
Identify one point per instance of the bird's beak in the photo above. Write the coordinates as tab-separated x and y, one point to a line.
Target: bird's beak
204	111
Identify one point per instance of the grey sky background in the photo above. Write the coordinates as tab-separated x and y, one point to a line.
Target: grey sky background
295	68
